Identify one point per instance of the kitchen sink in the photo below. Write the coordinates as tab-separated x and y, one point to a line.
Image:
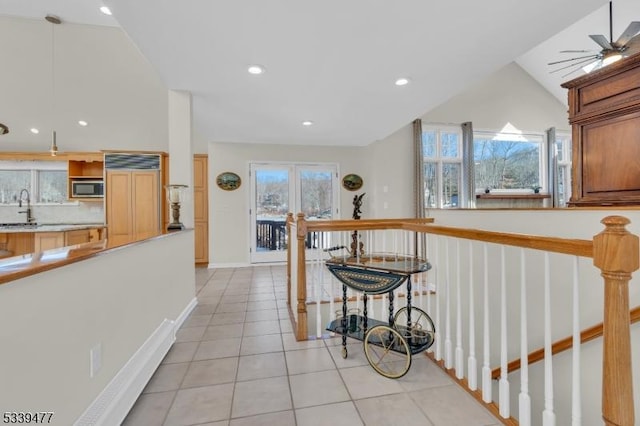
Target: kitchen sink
19	225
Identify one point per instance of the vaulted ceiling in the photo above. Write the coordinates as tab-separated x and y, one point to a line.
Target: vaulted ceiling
335	63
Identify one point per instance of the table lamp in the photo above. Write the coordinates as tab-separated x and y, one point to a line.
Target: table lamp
175	195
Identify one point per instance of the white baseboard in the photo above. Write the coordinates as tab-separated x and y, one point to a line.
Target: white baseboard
114	402
185	313
228	265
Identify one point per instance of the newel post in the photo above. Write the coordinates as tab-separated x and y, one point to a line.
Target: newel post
615	253
301	332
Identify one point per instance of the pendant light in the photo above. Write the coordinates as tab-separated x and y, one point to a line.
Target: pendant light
54	20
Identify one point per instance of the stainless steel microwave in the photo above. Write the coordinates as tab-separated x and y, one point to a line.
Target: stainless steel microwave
87	189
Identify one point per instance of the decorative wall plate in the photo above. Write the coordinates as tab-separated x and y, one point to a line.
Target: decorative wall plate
228	181
352	182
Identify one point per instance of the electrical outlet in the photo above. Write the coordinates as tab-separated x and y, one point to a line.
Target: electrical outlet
95	360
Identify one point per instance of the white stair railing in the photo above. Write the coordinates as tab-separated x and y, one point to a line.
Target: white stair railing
497	278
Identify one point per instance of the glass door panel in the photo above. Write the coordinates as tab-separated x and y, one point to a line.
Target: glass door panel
272	195
316	193
281	188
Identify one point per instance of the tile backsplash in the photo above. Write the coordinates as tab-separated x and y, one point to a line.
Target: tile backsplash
67	213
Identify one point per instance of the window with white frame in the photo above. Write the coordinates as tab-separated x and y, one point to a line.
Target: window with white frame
46	181
509	162
563	167
442	156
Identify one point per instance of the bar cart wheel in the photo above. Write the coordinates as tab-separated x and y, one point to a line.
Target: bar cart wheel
344	353
387	351
421	324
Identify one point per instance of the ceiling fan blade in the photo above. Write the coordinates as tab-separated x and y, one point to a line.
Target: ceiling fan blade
576	51
577	64
632	30
602	41
632	47
572	59
582	67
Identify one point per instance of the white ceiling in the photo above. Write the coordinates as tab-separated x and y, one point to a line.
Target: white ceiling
335	62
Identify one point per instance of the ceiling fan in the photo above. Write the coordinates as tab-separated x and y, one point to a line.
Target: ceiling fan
627	44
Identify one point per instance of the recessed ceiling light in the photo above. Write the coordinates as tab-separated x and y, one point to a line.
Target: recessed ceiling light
307	123
83	123
402	81
106	10
255	69
35	131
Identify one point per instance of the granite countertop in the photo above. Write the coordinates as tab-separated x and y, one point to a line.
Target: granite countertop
11	228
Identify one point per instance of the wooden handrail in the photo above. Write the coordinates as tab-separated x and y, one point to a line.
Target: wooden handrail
361	224
575	247
562	345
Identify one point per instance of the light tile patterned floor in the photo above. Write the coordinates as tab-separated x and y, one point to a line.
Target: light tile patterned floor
236	362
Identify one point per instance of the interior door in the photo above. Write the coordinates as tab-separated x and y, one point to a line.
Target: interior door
277	189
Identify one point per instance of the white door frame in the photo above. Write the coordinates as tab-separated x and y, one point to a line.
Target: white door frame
294	169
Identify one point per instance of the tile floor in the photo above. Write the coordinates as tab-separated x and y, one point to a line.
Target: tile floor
235	362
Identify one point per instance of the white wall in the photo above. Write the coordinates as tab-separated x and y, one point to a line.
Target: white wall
50	321
509	95
100	77
229	210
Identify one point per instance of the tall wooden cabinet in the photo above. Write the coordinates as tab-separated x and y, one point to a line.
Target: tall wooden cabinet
133	203
201	208
604	111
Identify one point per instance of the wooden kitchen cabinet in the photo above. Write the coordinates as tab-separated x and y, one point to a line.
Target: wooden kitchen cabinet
47	240
132	203
604	111
201	208
88	169
76	237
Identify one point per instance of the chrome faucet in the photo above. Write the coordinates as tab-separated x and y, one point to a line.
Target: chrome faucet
30	218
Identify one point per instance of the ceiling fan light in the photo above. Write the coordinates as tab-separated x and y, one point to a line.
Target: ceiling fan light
611	58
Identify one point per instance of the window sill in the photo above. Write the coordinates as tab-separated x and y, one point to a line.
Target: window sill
505	196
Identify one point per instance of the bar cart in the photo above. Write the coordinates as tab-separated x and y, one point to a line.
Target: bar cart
388	346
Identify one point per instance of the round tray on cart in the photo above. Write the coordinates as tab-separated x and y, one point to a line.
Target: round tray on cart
389	345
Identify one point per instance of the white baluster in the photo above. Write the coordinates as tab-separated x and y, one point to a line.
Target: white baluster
548	415
472	363
504	360
437	299
459	351
448	356
524	416
430	274
318	266
576	397
486	364
384	313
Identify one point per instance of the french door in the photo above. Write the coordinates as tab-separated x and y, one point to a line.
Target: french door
280	188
